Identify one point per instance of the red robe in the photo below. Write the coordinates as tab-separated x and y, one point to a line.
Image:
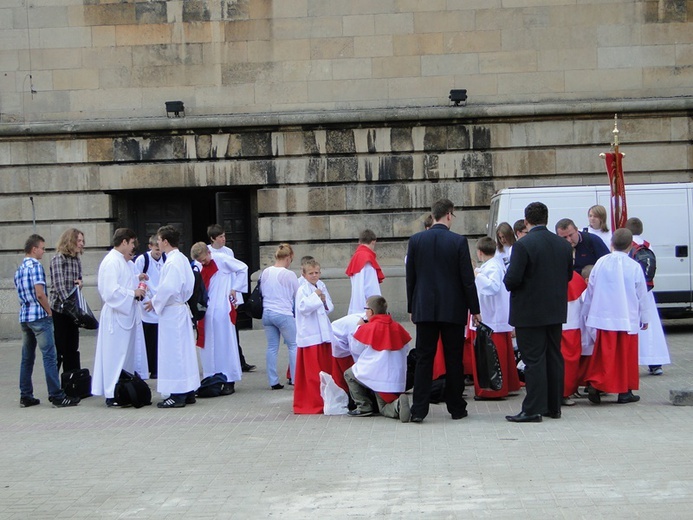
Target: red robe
362	256
571	339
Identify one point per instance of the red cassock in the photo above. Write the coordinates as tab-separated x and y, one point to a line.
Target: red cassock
613	366
571	338
310	361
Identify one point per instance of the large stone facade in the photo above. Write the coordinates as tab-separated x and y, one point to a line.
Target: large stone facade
332	116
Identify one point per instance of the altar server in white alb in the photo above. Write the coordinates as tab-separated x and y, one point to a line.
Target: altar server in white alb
117	345
616	306
179	375
652	345
380	347
364	272
216	334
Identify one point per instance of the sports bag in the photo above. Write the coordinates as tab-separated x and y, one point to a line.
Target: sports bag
212	386
76	383
488	368
132	389
253	304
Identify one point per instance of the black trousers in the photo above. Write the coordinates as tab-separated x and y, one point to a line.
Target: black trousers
240	350
66	334
540	348
151	340
452	336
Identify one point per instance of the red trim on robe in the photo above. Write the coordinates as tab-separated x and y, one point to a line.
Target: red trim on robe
571	349
206	272
613	366
339	366
576	287
382	333
362	256
310	361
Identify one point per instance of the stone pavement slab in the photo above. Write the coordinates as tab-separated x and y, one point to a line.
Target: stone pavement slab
247	456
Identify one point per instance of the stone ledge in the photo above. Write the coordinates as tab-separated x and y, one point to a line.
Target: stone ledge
682	397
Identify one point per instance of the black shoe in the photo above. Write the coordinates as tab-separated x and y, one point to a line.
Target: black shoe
552	415
523	417
416	419
628	397
112	403
153	375
278	386
248	368
289	382
593	395
171	403
26	402
458	416
359	413
63	402
190	399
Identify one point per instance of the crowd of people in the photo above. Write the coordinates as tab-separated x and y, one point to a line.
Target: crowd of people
579	318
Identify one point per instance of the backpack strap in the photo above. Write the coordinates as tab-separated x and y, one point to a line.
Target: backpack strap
146	263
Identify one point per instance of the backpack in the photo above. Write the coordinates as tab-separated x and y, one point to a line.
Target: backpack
212	386
198	300
642	254
254	302
132	389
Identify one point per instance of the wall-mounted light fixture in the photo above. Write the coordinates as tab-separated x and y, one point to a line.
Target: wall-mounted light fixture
175	109
458	96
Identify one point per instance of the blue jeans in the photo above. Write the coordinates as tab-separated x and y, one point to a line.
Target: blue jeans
39	332
276	324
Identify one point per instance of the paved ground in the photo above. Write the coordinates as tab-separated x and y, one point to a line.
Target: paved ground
247	456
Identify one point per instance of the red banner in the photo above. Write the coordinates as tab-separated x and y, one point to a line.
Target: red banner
619	210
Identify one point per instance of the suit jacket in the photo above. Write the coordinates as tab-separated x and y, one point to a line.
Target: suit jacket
541	266
440	277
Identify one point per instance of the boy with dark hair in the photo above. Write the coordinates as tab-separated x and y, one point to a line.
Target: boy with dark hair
652	344
615	305
37	327
380	349
364	272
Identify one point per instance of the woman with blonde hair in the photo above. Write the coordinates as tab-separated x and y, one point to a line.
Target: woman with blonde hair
279	286
505	238
66	274
596	216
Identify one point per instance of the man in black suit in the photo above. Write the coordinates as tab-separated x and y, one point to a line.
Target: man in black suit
541	265
440	292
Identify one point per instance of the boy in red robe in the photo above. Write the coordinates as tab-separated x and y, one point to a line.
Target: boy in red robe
364	272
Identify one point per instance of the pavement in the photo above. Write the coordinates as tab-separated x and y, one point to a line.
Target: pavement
247	456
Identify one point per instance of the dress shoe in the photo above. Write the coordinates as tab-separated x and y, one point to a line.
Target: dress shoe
461	415
416	419
593	395
523	417
628	397
552	415
248	368
278	386
359	413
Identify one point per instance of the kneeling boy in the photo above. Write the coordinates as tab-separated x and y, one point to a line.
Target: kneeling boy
379	349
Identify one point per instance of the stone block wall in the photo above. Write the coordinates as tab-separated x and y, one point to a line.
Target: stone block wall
87	59
318	187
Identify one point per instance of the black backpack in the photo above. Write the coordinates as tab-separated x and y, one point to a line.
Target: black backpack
643	255
199	299
212	386
132	389
253	304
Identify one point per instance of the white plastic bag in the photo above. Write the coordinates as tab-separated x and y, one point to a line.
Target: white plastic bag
336	400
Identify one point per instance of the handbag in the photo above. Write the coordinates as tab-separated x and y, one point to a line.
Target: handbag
132	389
488	369
254	302
76	306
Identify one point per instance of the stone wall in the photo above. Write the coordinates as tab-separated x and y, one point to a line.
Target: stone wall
86	59
318	187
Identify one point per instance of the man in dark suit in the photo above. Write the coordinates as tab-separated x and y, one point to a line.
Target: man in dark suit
440	292
541	265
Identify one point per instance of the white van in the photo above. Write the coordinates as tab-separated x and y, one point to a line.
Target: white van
666	211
